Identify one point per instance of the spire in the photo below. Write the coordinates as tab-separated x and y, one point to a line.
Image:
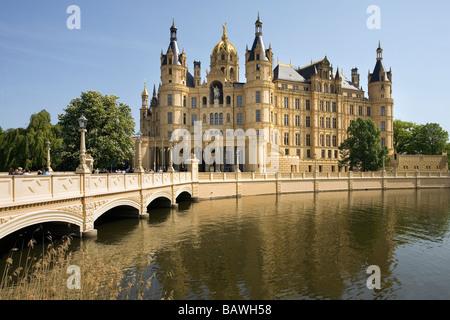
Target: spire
173	31
154	91
379	52
145	93
258	26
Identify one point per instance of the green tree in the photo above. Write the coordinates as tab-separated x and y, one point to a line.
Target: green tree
27	147
403	136
110	128
362	148
428	139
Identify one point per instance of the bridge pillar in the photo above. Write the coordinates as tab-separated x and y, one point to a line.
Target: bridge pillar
89	234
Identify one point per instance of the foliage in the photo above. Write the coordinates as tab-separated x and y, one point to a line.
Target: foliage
110	128
362	148
411	138
27	147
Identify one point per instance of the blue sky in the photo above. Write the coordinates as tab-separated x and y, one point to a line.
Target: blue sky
44	65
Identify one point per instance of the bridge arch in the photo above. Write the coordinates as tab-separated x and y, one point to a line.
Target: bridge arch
115	204
159	196
40	217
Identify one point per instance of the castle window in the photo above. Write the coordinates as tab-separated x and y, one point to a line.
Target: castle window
368	111
170	71
383	126
327	140
221	118
360	110
205	101
169	99
228	100
276	118
184	118
297	121
383	142
204	118
239	118
194	102
297	103
321	105
321	140
351	111
333	107
334	123
184	101
258	96
286	139
193	119
216	119
257	56
327	122
308	122
258	67
327	106
239	101
308	105
286	119
211	118
258	116
223	57
308	140
334	139
228	117
169	117
321	122
383	111
286	102
297	139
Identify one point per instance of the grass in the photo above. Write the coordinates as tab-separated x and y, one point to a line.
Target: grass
27	277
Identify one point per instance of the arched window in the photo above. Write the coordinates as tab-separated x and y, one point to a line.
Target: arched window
325	88
204	101
211	119
216	118
204	118
228	100
221	118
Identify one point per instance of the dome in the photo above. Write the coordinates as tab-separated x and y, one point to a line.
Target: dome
224	45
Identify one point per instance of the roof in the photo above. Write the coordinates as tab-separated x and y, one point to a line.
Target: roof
309	70
258	41
345	83
190	80
176	53
375	76
284	72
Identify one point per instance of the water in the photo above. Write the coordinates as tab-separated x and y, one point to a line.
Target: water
299	246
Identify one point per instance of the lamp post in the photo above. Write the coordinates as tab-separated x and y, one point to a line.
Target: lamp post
139	168
82	168
170	169
48	157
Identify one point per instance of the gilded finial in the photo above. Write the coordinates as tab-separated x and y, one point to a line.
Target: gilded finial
224	36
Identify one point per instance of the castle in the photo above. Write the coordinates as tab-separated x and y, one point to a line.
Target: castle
303	113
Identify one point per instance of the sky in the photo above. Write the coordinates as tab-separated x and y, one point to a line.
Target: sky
44	64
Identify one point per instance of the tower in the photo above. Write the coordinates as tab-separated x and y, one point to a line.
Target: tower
380	96
259	92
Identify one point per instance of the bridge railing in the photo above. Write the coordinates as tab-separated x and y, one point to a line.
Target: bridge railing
24	190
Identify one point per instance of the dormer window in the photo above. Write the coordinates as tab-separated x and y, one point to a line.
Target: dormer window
257	56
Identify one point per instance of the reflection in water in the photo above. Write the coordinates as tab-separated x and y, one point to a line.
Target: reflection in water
298	246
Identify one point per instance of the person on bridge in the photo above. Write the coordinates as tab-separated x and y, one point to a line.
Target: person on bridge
46	171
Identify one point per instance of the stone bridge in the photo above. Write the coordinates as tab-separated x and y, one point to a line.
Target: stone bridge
80	199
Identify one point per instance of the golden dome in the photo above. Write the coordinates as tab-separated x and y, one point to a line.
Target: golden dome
145	92
224	45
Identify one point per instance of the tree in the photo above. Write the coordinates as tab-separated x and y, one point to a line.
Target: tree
403	136
27	147
429	139
110	128
362	148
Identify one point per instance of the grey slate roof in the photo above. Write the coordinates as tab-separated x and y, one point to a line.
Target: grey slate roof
258	40
282	72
